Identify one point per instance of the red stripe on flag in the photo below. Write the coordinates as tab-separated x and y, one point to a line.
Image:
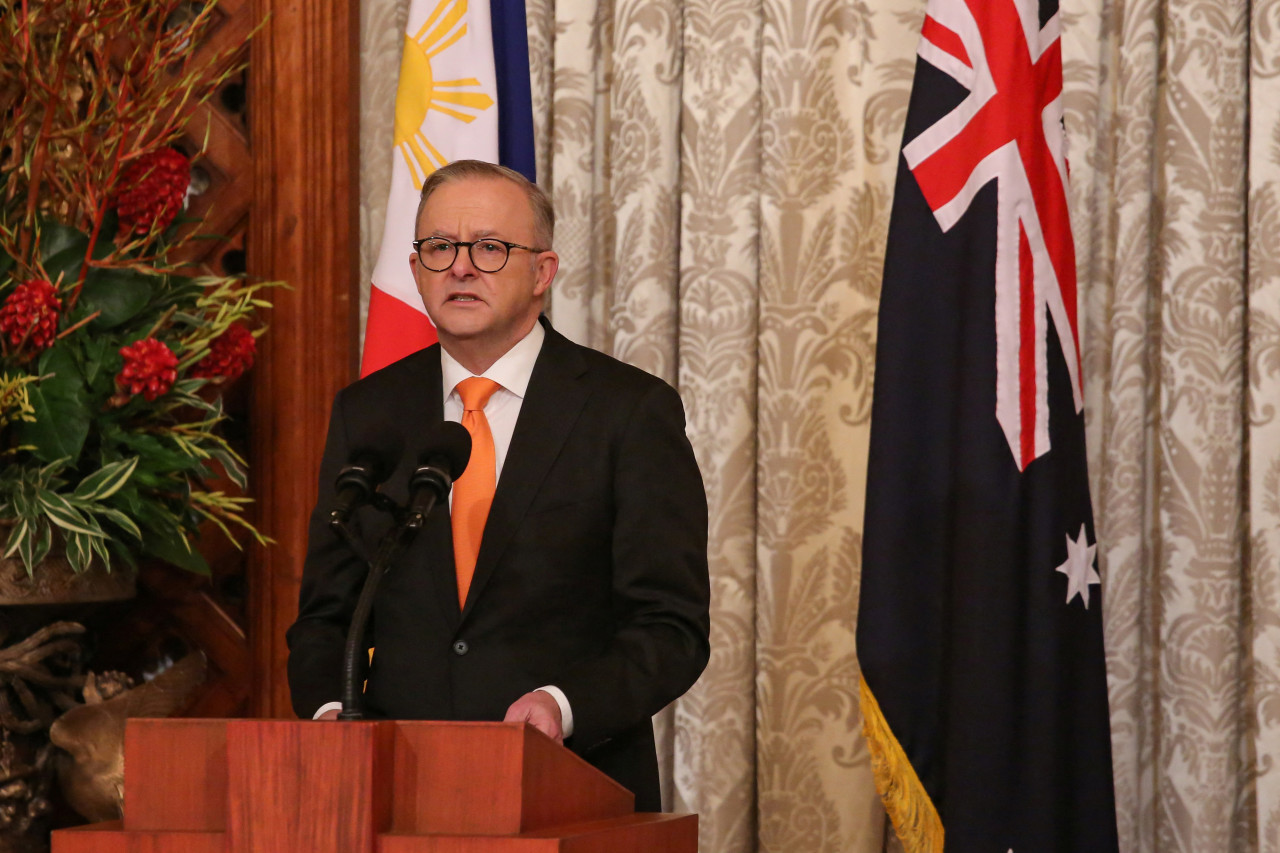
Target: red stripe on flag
945	40
392	331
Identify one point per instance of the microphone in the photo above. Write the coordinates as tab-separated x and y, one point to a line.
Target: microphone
448	449
368	466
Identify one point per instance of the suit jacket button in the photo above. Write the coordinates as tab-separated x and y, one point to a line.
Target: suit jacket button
461	648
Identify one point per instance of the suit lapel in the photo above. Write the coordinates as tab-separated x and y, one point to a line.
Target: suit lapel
552	404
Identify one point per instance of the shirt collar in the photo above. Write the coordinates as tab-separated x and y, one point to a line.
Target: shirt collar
512	371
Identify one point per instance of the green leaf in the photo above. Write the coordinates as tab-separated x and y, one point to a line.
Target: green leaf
70	519
121	554
43	543
24	504
62	410
99	547
58	241
79	552
158	463
189	386
235	471
121	520
120	294
173	548
128	501
26	547
21	531
95	353
110	225
55	467
65	266
181	398
184	288
106	481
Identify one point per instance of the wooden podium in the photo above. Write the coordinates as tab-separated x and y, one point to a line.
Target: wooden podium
289	786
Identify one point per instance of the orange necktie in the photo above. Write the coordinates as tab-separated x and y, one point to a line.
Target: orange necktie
473	491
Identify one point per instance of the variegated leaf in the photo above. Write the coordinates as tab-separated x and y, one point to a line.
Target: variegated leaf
99	547
79	552
43	543
20	531
70	519
121	520
235	471
106	481
26	547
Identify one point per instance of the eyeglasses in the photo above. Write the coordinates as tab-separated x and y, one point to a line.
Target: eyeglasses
438	254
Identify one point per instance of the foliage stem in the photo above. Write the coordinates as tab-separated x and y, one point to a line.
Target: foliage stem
37	164
69	329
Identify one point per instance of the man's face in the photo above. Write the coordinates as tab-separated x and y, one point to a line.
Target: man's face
474	311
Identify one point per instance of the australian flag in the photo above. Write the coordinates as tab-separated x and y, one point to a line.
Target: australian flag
980	623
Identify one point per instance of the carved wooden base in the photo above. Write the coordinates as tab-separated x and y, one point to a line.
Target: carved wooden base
25	805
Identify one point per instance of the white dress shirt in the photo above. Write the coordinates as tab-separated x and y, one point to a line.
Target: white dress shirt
512	371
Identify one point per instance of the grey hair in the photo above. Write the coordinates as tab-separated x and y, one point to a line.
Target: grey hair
544	215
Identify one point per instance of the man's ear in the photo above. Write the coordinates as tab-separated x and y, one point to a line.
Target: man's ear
548	266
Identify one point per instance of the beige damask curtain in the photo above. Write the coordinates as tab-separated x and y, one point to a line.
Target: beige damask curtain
722	172
1176	136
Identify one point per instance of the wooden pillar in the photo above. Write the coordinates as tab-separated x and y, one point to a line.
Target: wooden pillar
304	229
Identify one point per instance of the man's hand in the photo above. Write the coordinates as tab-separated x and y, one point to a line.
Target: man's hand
539	710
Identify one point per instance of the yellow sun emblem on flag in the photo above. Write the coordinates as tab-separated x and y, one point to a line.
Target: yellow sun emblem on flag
419	91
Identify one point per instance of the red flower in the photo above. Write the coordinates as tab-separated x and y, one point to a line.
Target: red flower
230	355
152	190
31	313
150	369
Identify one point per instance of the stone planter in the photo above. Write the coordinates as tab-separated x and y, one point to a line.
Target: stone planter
54	583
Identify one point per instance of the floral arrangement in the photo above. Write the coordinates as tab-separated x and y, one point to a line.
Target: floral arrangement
111	351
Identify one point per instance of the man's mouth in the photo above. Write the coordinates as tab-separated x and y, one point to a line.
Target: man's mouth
463	297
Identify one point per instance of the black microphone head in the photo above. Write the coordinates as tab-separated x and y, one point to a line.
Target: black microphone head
371	461
448	445
374	456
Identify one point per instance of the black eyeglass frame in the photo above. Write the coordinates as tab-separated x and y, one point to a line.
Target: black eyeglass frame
470	244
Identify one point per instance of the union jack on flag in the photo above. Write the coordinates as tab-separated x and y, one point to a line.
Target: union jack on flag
1008	130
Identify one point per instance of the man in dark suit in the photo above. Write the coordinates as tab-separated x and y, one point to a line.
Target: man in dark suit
586	610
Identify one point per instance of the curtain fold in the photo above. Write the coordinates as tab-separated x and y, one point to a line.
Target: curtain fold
1159	111
1262	418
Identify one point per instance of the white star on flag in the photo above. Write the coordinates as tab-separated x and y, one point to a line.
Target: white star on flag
1079	567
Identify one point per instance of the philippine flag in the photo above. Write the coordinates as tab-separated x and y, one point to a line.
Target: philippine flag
463	94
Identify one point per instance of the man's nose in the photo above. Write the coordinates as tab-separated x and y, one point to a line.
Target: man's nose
462	266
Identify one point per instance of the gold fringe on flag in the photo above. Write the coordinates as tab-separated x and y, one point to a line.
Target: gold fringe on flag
905	800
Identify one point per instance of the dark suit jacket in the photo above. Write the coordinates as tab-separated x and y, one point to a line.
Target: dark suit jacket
592	575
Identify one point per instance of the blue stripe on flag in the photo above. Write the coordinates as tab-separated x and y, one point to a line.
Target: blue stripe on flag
515	102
